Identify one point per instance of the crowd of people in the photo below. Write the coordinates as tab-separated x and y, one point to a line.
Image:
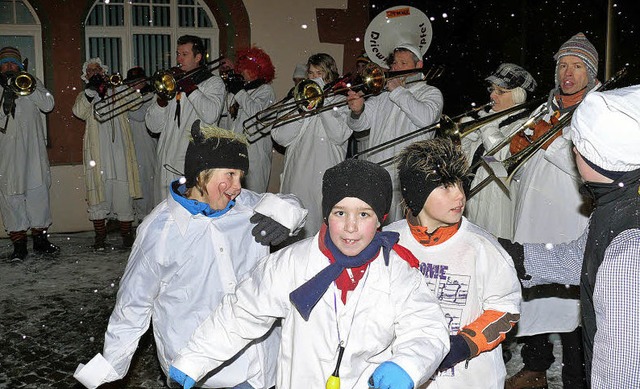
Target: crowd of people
386	271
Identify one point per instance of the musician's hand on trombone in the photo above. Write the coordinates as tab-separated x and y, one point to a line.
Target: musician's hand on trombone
355	101
393	83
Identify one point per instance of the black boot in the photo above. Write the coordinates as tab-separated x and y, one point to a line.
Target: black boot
100	241
126	231
41	243
19	250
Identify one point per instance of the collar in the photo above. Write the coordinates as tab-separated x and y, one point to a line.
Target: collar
440	235
196	207
602	194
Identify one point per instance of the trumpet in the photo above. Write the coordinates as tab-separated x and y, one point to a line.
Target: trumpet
503	171
21	83
163	82
309	97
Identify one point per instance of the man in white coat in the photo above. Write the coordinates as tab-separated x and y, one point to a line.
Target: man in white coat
190	251
25	177
201	96
407	105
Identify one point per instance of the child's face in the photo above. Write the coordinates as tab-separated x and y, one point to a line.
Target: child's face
352	225
443	207
223	186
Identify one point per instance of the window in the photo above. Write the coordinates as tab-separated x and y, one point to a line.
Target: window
128	33
20	27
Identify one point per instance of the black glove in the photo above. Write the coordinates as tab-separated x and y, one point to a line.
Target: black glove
268	231
458	352
98	84
235	83
187	85
8	102
146	89
516	251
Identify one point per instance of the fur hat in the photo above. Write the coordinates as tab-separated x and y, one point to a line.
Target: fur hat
511	76
257	61
605	129
579	46
11	54
213	147
365	180
425	165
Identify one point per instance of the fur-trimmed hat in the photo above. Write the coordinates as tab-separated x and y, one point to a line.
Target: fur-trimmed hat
213	147
425	165
579	46
365	180
511	76
11	54
605	129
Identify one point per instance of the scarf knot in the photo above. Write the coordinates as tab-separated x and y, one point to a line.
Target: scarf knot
306	296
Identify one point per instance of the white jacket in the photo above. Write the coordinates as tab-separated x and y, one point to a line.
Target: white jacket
469	273
180	267
23	155
392	114
390	316
251	102
314	144
204	103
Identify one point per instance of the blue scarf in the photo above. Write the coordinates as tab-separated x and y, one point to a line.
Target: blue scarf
194	206
305	297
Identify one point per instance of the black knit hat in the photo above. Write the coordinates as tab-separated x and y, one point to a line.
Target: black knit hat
213	147
423	166
365	180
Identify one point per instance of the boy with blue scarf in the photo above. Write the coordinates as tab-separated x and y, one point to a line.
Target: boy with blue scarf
352	306
192	249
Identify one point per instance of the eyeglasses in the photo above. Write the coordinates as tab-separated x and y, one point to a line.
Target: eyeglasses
497	91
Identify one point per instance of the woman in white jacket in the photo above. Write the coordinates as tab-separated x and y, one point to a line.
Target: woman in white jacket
190	251
351	304
314	144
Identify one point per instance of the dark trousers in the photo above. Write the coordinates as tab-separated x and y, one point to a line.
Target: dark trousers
537	355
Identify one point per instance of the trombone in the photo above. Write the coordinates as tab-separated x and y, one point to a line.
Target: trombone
163	82
309	97
504	171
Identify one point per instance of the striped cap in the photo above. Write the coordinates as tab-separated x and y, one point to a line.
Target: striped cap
580	47
11	54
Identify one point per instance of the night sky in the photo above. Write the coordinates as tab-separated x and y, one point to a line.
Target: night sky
471	38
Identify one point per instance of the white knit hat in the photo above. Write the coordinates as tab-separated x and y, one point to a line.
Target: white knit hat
412	48
300	71
605	129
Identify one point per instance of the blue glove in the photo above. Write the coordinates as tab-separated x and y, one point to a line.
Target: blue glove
181	378
268	231
390	376
458	352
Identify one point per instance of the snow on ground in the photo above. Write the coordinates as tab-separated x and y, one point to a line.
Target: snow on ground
54	311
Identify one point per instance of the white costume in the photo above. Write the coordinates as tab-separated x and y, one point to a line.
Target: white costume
145	146
249	103
24	164
180	267
549	209
390	316
314	144
204	103
491	208
392	114
110	164
469	274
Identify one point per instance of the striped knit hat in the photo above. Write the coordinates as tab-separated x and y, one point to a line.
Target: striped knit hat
11	54
580	47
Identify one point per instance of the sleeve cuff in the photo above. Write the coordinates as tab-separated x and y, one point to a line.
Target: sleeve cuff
96	372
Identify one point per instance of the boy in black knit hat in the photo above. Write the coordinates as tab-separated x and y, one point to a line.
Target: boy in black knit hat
192	249
473	277
351	305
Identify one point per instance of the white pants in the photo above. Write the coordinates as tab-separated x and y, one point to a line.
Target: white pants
118	203
27	210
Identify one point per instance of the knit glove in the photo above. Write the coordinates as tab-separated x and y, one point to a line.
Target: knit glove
390	376
516	251
187	85
268	231
235	83
458	352
181	378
